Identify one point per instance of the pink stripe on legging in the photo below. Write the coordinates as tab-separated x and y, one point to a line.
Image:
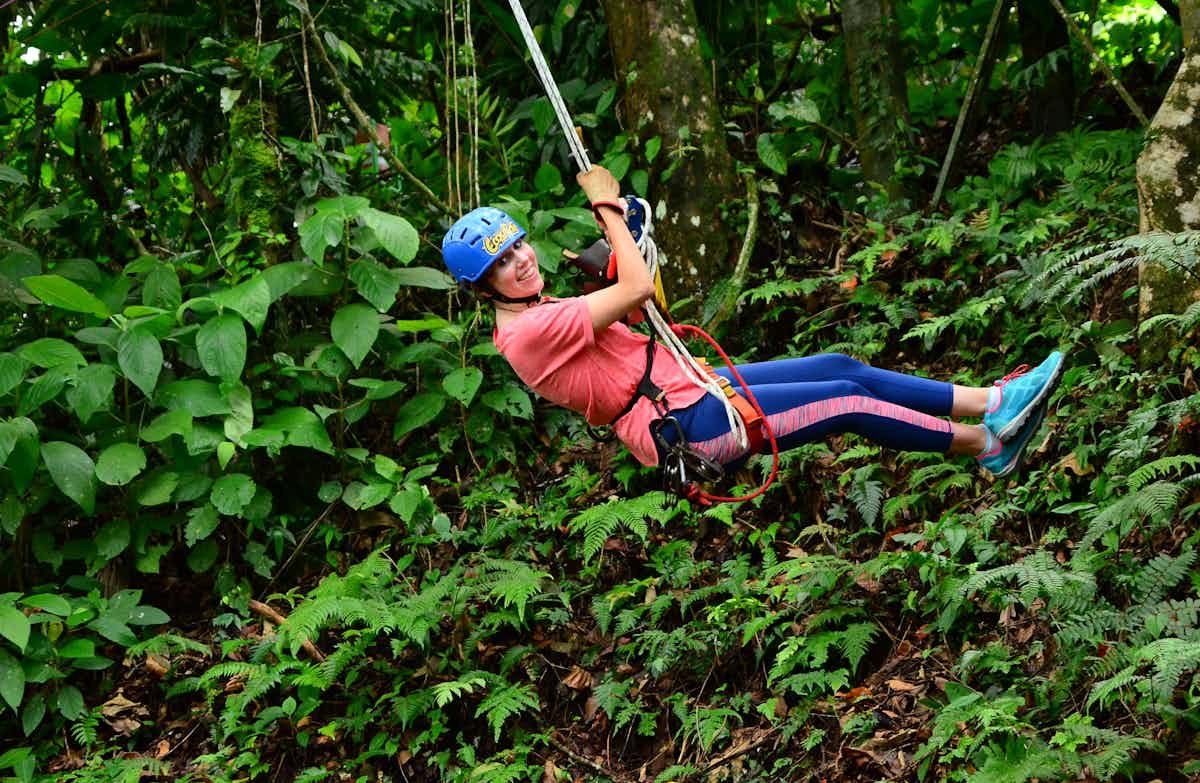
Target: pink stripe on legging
724	448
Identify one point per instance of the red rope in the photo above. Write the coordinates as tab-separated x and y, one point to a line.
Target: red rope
700	495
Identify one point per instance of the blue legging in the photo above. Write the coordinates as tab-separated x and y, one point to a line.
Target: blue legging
808	398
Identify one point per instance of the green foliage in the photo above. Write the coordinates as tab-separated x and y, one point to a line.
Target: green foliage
231	365
599	521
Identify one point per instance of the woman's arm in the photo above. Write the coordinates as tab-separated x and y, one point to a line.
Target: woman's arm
634	284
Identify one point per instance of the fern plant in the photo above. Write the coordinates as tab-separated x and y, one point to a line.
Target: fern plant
1068	275
600	521
1037	576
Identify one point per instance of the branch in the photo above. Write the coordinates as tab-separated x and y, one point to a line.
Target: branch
736	752
982	66
128	64
364	123
738	279
267	613
1108	72
577	758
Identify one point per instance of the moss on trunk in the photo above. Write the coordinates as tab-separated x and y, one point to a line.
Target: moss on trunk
668	92
1168	174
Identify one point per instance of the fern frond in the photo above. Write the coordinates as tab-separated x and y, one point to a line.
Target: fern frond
1037	575
1161	574
503	702
1081	270
511	582
855	640
1161	467
1172	659
1103	689
599	522
866	494
446	692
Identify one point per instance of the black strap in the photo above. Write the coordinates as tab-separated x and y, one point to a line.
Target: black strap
645	388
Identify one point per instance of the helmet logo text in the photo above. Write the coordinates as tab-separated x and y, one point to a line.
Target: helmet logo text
507	229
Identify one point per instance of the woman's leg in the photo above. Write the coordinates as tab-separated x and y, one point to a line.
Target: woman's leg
935	398
805	412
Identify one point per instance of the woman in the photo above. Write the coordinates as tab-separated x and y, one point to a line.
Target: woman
576	352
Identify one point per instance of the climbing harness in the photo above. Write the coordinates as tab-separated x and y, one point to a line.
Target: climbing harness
682	465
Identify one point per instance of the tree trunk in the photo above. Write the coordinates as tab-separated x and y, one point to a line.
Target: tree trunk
1169	183
1052	95
668	92
878	91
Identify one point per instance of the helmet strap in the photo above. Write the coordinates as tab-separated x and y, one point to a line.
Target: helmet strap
494	295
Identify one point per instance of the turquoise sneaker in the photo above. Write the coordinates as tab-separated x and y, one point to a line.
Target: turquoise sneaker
1020	393
1007	457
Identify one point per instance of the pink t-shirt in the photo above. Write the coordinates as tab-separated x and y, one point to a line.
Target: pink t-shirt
554	349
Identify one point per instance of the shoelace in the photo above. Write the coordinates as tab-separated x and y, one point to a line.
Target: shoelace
1019	371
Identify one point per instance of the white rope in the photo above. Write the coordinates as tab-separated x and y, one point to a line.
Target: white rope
687	363
551	88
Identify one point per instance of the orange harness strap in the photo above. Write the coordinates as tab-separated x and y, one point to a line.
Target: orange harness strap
750	416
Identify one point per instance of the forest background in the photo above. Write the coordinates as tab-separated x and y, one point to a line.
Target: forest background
272	507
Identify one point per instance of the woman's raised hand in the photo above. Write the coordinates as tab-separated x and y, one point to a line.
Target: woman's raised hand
599	184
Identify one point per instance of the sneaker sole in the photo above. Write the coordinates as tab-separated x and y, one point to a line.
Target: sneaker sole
1019	457
1048	388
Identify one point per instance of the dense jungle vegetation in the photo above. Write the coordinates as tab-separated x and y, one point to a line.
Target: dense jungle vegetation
272	507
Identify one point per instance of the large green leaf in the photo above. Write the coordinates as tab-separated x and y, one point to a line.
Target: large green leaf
250	300
197	397
9	433
14	626
120	463
176	422
11	175
417	412
511	400
202	521
113	627
424	277
112	539
770	154
157	487
230	494
49	602
51	352
70	701
354	330
93	390
161	288
12	372
463	383
797	108
281	278
140	357
301	427
33	713
221	344
416	325
73	472
147	615
320	231
12	511
60	292
395	234
44	388
12	680
24	455
376	283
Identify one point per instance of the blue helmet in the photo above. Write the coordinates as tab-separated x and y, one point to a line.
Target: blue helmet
476	240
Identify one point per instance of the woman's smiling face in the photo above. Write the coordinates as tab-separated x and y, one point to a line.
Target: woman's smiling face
515	274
